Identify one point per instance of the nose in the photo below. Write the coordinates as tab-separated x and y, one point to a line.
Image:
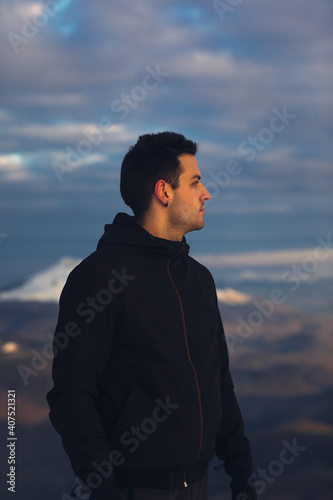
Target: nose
205	194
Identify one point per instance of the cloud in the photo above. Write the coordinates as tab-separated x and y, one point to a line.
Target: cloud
224	79
51	99
68	132
232	297
12	168
10	347
267	258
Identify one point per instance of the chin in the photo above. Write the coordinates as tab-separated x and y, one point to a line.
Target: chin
196	227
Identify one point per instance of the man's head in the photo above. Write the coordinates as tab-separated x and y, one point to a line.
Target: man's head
160	179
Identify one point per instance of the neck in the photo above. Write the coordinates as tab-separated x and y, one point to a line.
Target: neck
158	227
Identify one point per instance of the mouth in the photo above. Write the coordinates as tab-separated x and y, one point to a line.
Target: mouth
202	210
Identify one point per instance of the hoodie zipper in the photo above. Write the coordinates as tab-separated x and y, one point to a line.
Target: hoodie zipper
194	372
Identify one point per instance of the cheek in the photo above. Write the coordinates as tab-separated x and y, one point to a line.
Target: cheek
191	200
187	199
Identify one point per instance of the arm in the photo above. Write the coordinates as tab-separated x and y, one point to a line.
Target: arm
82	345
232	446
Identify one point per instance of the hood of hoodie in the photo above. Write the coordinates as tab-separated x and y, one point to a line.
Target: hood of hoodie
126	231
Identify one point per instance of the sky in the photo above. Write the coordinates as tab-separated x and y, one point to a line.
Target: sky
250	81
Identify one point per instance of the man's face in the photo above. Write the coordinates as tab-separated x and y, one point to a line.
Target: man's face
185	212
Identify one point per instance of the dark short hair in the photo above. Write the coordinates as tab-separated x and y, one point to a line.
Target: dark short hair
153	157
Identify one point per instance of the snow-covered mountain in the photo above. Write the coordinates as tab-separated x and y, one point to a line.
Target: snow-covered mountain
46	286
43	286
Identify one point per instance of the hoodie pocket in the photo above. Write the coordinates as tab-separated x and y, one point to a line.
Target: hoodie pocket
150	431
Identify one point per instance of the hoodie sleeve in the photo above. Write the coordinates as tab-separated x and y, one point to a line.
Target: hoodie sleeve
82	343
232	446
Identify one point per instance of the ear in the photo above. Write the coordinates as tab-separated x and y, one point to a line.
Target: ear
161	191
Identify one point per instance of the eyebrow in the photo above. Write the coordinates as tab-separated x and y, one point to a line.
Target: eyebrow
196	176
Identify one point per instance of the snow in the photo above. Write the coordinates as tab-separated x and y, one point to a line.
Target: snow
43	286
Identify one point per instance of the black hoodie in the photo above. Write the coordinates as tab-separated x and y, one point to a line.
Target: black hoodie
142	392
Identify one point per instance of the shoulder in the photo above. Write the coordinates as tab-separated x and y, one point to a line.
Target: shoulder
92	272
88	266
202	270
100	261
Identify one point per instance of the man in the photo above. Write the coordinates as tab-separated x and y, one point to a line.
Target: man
142	396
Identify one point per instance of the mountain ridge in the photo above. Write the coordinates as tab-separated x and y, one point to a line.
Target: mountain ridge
46	286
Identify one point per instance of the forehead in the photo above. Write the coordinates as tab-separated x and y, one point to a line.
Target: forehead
189	166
